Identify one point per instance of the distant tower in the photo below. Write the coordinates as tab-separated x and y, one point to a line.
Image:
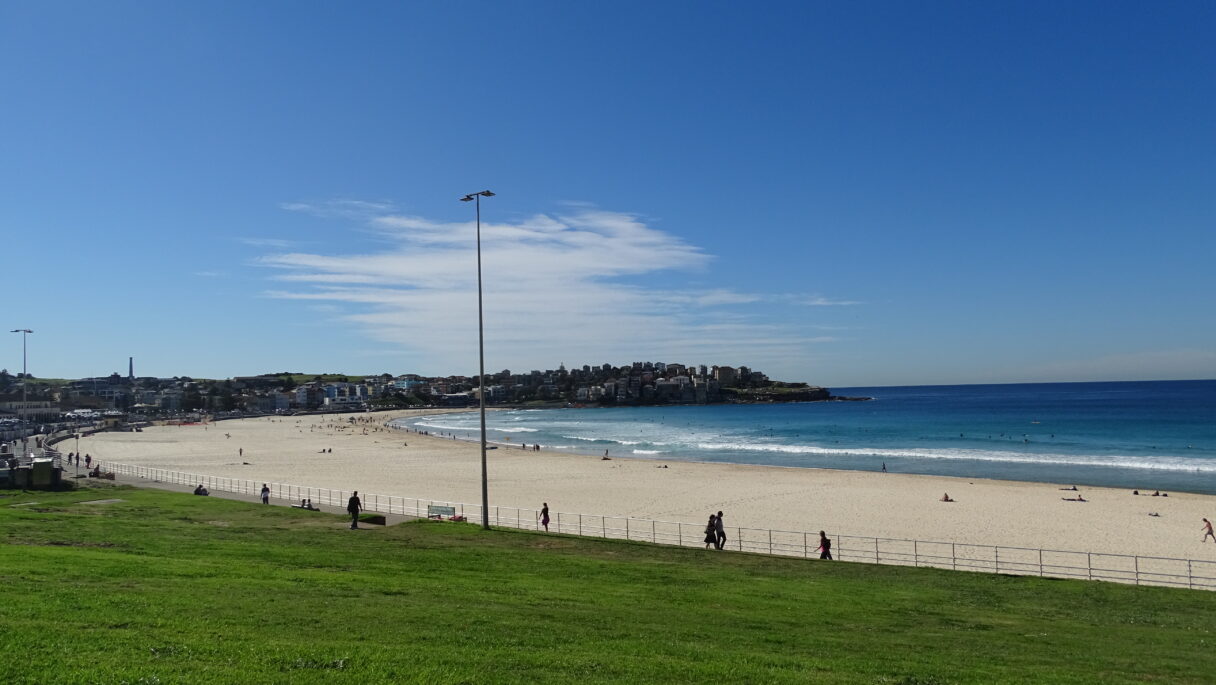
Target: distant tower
131	368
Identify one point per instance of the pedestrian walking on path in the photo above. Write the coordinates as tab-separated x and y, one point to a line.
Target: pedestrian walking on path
265	494
353	507
711	532
719	532
825	546
1207	531
544	516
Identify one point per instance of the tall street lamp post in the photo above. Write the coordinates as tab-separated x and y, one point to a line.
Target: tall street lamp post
25	381
481	355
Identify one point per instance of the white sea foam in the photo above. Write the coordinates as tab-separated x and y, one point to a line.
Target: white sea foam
649	452
451	427
1107	461
444	426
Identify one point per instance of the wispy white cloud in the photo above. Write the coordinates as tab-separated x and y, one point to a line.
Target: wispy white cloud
210	274
576	286
820	301
348	209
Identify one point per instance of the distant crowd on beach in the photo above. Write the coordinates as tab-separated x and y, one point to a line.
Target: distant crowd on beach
453	436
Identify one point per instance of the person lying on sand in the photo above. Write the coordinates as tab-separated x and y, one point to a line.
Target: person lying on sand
1078	498
1073	488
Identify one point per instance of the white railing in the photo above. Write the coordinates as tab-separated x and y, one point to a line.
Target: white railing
1023	561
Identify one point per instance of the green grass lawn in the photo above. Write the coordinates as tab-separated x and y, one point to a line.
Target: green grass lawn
170	588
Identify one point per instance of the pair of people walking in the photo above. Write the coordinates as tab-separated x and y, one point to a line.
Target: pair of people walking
715	532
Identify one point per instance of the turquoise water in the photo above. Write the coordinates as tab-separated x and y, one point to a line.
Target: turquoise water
1146	435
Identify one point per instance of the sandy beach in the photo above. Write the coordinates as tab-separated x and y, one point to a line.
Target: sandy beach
390	462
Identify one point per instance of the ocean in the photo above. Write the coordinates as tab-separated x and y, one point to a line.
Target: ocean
1158	435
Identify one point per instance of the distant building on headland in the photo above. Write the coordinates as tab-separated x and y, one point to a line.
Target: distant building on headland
635	383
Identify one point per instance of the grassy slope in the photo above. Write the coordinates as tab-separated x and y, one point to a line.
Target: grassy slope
165	588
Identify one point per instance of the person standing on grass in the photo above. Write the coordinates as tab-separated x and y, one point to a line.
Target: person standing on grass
719	532
544	516
353	507
1207	531
265	494
825	546
711	532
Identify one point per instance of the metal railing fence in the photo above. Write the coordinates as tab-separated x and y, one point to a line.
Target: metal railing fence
1023	561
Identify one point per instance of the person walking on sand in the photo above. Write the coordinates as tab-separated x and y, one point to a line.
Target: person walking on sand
711	532
544	515
719	532
265	494
825	546
353	507
1207	531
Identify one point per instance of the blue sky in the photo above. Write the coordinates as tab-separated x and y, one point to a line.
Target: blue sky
887	193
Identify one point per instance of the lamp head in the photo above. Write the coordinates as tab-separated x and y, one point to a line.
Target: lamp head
467	198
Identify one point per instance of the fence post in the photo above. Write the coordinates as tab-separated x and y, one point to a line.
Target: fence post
626	528
1040	563
1089	564
996	559
770	540
580	525
603	528
739	536
1136	561
653	538
1190	583
953	558
804	554
680	533
915	553
876	559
